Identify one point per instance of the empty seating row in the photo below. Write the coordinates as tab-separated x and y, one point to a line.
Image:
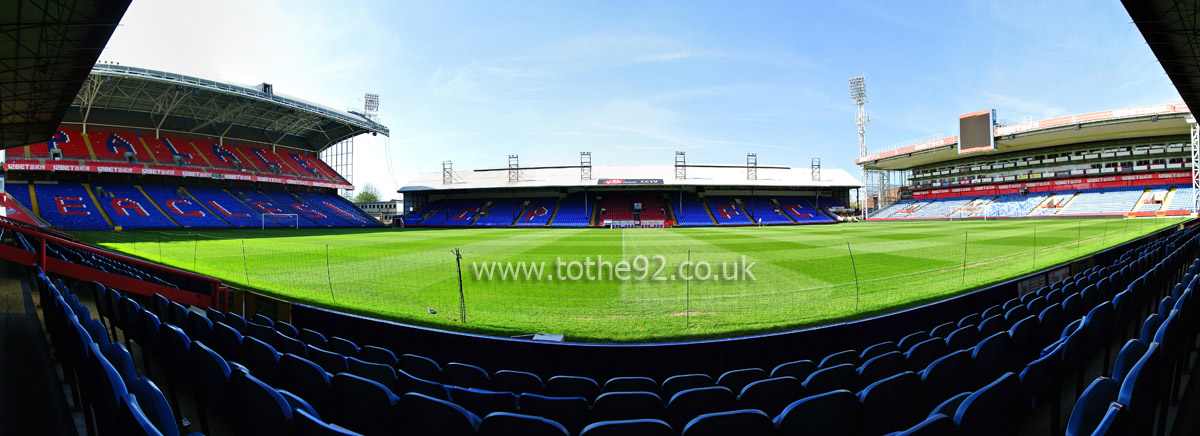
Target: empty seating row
169	151
75	206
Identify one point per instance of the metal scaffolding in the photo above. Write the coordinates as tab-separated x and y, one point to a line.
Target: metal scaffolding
751	166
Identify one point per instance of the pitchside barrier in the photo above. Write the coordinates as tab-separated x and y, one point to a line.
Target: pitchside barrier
194	289
603	361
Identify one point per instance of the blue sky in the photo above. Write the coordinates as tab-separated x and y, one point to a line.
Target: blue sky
634	81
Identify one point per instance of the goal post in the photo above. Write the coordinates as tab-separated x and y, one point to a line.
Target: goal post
282	217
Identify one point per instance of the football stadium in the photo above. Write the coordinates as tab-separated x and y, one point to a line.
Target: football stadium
182	256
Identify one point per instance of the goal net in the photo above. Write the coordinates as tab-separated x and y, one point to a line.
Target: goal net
282	219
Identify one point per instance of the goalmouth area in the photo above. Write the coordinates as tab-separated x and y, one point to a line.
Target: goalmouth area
676	284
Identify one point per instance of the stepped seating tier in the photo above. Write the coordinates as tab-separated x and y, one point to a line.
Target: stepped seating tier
537	214
456	213
801	210
690	211
502	212
69	206
573	211
229	208
725	212
303	208
129	208
762	211
186	211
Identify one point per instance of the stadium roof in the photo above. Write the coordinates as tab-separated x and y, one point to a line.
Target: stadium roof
1138	122
47	49
131	97
1172	29
634	175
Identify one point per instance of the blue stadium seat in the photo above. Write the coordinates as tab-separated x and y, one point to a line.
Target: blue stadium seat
361	405
881	367
798	369
373	354
617	406
771	395
519	382
908	341
312	337
963	338
210	380
154	404
630	384
1092	406
342	346
990	358
924	353
690	403
833	413
635	427
746	422
504	424
422	414
305	424
257	408
991	409
378	372
260	358
467	376
571	412
572	386
947	376
844	376
876	350
303	378
934	425
839	358
405	382
419	366
891	404
331	362
482	402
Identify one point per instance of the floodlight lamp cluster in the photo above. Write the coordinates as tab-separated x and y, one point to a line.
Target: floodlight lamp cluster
858	90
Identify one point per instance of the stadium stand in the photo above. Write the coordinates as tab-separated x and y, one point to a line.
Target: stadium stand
1180	200
537	213
941	208
1102	201
181	207
339	207
69	205
500	212
70	143
227	207
1027	377
165	149
128	207
456	213
417	216
801	210
1011	205
764	210
616	206
113	146
264	206
573	211
304	208
726	212
690	211
1109	201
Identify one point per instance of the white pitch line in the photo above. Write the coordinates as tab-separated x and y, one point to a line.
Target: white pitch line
624	283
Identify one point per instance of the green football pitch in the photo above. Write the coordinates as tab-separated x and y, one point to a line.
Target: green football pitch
676	284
